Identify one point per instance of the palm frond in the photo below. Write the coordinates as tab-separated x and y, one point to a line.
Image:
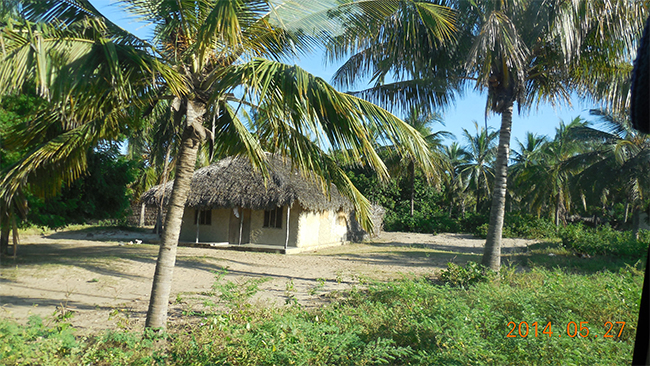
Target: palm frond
292	96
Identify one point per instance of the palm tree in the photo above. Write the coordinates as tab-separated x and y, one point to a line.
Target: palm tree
205	59
527	155
522	52
480	152
620	158
156	145
529	151
539	51
456	181
546	172
406	165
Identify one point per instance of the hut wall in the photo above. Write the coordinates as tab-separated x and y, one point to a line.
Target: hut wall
306	228
217	232
275	236
150	214
321	228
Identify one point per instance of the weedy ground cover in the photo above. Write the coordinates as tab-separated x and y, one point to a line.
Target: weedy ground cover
541	309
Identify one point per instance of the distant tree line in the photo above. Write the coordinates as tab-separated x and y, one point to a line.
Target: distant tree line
593	172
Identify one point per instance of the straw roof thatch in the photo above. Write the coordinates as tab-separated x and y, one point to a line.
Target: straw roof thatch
232	182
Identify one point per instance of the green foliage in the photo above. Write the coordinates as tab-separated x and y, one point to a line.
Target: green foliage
14	109
236	295
520	225
471	274
367	183
431	214
604	241
473	221
36	343
102	194
406	321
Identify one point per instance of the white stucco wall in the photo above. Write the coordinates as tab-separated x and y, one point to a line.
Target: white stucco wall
306	228
217	232
274	236
321	228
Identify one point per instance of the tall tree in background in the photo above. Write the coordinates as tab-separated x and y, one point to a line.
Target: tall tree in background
529	52
456	181
156	146
523	52
528	153
546	169
405	165
480	152
204	59
619	160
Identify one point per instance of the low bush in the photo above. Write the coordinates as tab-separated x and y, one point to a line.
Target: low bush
432	221
519	225
604	241
471	274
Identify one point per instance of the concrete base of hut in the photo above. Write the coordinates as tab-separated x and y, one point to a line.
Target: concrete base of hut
256	247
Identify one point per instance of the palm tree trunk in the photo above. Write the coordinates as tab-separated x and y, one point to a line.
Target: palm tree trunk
4	240
463	208
492	252
162	280
412	183
159	221
636	222
557	210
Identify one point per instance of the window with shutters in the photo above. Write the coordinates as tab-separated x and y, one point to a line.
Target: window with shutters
204	217
273	218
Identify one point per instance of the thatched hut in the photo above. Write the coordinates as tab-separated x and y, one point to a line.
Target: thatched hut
230	203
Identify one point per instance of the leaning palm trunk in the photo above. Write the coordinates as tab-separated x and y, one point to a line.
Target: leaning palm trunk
159	220
492	252
636	222
558	205
412	184
4	240
162	280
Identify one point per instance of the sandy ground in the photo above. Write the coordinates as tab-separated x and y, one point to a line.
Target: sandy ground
106	284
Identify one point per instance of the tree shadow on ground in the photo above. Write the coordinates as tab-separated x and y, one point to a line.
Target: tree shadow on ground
446	247
102	259
550	255
104	234
433	259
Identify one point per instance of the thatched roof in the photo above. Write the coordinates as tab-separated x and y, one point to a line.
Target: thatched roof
232	182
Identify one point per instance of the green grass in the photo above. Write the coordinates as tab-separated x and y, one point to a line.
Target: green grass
408	321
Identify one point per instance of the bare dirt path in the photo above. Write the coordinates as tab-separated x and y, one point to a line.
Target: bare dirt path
106	284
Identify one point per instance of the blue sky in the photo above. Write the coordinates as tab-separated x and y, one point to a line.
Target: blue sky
469	108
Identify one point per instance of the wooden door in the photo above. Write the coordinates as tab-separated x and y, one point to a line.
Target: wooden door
240	226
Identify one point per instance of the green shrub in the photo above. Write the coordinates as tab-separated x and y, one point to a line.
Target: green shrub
236	295
520	225
604	241
471	274
432	221
35	343
473	221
